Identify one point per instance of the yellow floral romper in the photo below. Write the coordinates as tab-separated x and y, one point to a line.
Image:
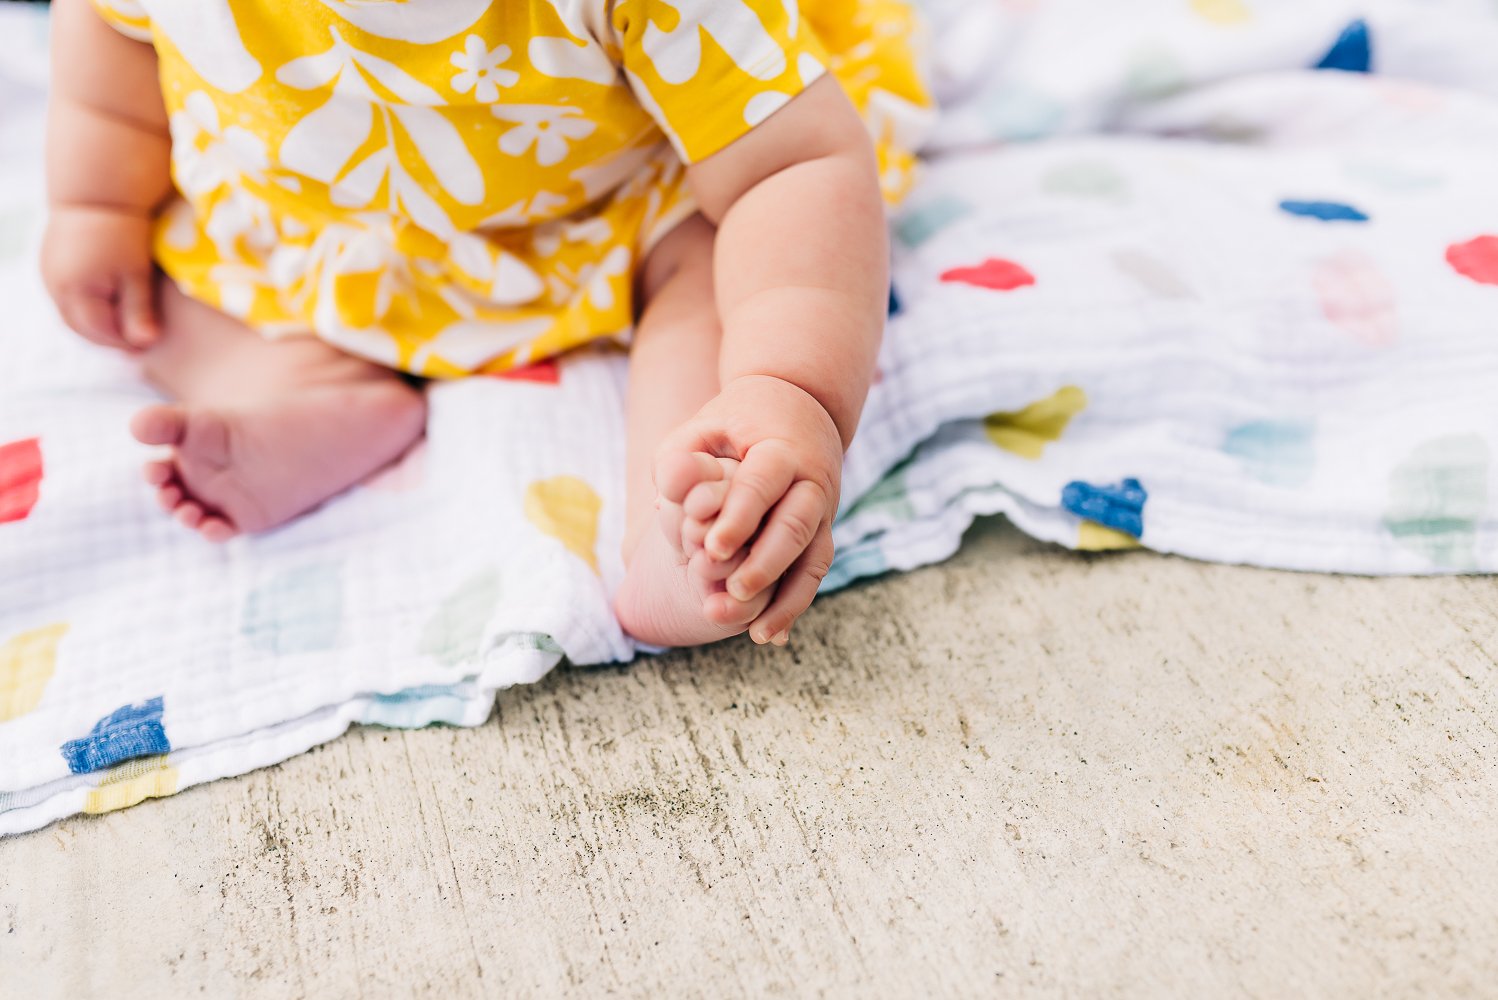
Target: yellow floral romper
458	186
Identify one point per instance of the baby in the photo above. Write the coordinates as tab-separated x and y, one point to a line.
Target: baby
295	213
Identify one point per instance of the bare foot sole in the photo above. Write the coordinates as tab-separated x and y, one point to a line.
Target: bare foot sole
674	594
256	464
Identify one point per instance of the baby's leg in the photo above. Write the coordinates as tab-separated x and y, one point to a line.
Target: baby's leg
673	372
263	430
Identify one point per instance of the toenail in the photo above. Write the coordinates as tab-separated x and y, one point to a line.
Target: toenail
738	590
781	638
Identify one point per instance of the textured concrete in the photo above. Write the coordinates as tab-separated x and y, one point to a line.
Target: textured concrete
1024	772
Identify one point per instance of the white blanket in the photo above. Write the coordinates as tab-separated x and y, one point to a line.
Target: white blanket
1218	303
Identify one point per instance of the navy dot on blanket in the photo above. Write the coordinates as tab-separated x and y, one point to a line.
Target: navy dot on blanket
1119	507
1352	52
127	732
1326	211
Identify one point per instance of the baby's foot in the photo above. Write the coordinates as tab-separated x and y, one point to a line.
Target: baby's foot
258	463
674	594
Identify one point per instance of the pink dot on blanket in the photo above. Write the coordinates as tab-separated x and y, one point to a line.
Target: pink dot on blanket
1476	259
1356	298
995	273
20	478
545	372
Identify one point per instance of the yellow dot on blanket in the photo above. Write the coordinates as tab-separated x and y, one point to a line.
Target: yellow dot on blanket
26	665
1026	432
131	782
1094	537
1222	11
566	508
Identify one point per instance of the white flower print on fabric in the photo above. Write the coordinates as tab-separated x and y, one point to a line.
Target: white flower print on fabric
765	104
540	206
550	236
468	344
512	282
207	35
598	279
225	156
579	57
547	128
479	70
241	222
594	281
677	54
398	22
324	142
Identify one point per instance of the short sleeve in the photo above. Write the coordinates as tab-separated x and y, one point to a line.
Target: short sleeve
129	17
708	71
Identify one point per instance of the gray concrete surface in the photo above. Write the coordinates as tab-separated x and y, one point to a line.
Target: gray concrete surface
1022	773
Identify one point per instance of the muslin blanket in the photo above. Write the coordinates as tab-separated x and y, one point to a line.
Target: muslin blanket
1217	277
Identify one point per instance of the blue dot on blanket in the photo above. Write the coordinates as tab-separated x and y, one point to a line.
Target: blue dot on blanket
894	302
1119	507
128	732
853	564
1352	52
1275	452
1326	211
297	611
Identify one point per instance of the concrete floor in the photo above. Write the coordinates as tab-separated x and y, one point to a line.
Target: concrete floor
1023	772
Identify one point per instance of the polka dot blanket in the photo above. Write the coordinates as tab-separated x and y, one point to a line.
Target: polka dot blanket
1213	277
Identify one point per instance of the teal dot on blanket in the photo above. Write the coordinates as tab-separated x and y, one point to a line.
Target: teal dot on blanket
297	611
921	221
129	731
1352	52
1015	114
416	707
453	633
1438	498
867	559
1326	211
1276	452
1094	179
890	497
1120	507
1154	72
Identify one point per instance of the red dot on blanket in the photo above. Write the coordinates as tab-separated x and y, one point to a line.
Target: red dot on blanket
1476	259
547	372
20	478
995	273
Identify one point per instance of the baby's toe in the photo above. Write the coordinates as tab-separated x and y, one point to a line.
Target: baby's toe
705	499
723	609
718	606
160	424
158	472
189	514
216	529
669	517
676	473
709	573
169	496
693	534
